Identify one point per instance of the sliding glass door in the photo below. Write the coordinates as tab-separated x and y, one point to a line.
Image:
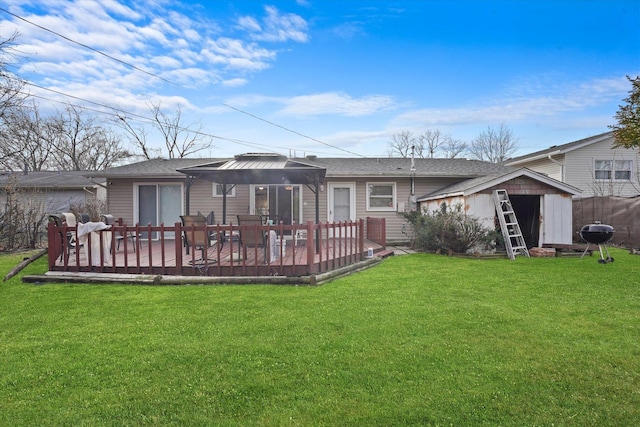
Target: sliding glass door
278	202
159	204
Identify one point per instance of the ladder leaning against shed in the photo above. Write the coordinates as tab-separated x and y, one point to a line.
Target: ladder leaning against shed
511	232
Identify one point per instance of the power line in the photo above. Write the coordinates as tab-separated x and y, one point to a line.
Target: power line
88	47
151	120
118	114
291	130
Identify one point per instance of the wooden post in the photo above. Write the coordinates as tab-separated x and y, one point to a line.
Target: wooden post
178	244
310	248
361	237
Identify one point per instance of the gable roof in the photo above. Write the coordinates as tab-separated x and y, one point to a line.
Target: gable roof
336	167
154	168
48	179
472	186
558	149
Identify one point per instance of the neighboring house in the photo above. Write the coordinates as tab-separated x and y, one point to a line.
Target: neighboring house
158	191
542	205
591	165
52	191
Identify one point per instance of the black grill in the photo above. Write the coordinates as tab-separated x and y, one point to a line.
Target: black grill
598	234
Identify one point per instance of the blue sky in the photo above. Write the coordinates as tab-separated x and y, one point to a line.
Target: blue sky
338	78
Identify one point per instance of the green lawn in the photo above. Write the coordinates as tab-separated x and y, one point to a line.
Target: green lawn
418	340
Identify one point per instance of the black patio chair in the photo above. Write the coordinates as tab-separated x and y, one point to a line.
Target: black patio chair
120	236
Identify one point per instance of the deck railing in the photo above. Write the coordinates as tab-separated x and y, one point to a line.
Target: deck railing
291	250
377	231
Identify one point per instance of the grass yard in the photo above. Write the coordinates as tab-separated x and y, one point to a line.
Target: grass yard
418	340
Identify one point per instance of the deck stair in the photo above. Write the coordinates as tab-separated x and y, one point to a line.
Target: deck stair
513	239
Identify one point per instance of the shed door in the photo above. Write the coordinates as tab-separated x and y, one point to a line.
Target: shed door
557	221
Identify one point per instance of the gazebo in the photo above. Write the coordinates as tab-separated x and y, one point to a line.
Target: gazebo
256	168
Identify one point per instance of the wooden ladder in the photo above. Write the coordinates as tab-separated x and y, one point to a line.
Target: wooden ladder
511	232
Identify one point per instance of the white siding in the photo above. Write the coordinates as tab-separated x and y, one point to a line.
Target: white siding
556	220
551	168
482	207
580	164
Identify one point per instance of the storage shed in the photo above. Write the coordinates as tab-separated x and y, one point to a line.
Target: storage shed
543	205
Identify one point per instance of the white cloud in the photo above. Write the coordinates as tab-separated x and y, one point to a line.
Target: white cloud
237	82
185	48
525	101
337	104
276	27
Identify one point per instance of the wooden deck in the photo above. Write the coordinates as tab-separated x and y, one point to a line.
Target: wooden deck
328	247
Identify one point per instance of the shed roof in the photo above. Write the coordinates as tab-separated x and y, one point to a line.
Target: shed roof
472	186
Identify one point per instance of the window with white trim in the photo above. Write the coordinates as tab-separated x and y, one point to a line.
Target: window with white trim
603	169
620	170
217	190
381	196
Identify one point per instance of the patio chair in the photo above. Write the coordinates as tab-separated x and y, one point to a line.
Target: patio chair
83	218
58	220
252	234
70	219
120	236
197	238
213	236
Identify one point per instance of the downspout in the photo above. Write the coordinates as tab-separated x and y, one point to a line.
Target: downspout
559	164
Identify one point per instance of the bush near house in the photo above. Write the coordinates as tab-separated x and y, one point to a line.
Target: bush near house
449	229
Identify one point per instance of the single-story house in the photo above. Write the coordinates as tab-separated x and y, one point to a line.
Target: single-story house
297	190
591	164
53	191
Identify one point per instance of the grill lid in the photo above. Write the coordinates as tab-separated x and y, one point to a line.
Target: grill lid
597	233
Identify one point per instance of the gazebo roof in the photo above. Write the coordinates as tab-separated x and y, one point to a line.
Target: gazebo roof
257	168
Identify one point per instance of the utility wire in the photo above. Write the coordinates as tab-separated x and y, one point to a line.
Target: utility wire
291	130
254	145
120	114
87	47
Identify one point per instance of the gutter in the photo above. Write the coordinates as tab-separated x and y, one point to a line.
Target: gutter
551	159
534	158
97	183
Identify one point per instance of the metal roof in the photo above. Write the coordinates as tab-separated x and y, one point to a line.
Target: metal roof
257	168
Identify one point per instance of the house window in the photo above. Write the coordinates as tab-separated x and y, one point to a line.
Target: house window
217	190
623	169
381	196
613	169
603	169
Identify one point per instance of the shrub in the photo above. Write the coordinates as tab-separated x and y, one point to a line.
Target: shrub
448	229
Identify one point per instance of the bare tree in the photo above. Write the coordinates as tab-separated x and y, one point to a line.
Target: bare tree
25	142
452	148
80	143
180	140
10	85
494	144
432	141
403	143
